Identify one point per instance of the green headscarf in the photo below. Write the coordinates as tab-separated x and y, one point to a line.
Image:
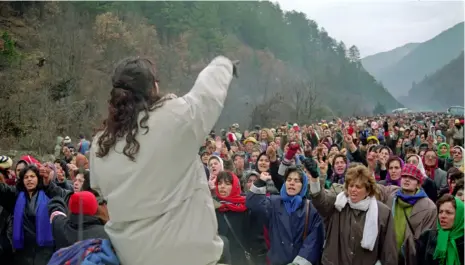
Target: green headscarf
440	155
446	238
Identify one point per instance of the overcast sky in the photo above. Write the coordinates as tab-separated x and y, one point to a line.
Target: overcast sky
375	26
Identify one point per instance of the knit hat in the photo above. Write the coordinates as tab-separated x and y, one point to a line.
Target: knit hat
87	200
412	171
5	162
67	140
231	137
29	160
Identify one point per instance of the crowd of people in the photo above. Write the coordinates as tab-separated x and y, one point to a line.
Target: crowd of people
385	190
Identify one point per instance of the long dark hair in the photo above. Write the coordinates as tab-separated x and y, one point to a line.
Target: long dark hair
133	83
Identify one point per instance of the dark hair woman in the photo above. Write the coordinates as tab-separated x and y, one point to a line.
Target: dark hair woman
444	245
295	228
137	165
32	235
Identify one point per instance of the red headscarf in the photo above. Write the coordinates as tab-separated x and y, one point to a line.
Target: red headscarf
234	201
430	169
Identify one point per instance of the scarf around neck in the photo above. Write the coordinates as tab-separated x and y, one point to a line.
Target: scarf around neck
411	199
396	182
370	228
292	203
431	169
446	249
234	201
44	237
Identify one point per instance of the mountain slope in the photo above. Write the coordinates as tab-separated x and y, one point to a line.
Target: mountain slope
441	90
291	69
427	58
376	63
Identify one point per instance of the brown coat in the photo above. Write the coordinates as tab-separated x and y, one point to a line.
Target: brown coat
345	230
423	217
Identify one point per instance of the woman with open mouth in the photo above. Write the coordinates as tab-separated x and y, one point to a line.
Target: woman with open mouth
360	229
444	244
296	231
28	201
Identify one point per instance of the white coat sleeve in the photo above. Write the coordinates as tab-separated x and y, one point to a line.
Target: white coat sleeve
206	98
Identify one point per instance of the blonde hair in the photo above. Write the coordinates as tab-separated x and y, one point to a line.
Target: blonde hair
359	172
269	134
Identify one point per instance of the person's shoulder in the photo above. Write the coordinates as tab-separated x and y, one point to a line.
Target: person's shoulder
426	203
383	210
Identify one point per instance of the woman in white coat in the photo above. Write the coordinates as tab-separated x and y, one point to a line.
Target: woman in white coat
145	164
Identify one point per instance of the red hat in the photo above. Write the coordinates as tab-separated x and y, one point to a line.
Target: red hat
412	171
29	160
84	200
232	137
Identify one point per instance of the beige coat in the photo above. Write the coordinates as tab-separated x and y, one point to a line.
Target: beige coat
345	230
423	217
160	207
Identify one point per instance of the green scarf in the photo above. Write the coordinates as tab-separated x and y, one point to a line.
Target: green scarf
446	238
446	155
400	222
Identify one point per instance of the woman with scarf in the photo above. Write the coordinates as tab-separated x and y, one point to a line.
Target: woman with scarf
457	159
443	152
360	229
232	216
413	212
429	186
296	231
28	201
394	167
431	163
339	167
444	245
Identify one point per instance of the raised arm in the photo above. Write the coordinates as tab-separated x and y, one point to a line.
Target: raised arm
206	98
257	201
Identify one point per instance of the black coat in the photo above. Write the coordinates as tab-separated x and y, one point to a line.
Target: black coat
240	224
66	230
31	254
6	230
426	246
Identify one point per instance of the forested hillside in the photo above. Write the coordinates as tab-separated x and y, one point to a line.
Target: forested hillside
56	61
425	59
440	90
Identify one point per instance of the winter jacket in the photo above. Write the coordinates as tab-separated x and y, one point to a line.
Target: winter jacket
6	230
345	231
167	217
239	223
66	229
31	253
426	245
286	231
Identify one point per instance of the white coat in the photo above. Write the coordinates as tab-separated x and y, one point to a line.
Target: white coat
160	207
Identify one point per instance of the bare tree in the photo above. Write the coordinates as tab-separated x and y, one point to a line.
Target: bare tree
302	99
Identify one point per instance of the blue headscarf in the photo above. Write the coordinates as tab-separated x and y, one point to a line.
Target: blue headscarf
292	203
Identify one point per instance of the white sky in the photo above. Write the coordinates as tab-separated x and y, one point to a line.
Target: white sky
375	26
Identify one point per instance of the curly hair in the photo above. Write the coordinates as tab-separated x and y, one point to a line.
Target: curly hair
133	82
359	172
